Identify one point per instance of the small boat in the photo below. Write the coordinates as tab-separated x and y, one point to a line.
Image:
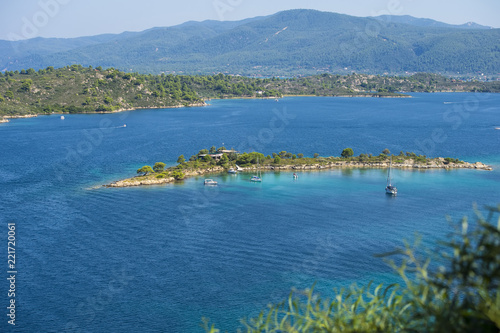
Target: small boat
210	182
497	128
62	117
295	176
124	125
232	171
390	189
255	179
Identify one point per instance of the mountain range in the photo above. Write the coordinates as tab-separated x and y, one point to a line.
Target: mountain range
288	43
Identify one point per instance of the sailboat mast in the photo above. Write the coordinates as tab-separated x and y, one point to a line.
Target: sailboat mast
389	173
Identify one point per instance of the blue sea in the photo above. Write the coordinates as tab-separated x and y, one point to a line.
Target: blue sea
159	258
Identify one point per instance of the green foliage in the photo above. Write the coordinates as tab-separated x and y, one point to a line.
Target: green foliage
463	295
159	167
451	160
250	158
417	49
25	85
111	89
181	159
347	152
108	100
9	94
145	170
224	160
386	151
316	155
178	175
277	160
300	155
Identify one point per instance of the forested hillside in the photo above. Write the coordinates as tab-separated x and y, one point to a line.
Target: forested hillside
78	89
289	43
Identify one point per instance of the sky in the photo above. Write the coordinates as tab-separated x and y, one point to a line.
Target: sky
75	18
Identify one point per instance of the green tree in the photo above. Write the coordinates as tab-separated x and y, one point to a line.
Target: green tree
224	160
145	170
316	155
277	160
9	94
386	151
181	159
26	85
213	150
178	175
159	167
300	155
348	152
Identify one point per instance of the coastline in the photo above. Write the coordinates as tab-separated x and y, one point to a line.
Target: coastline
151	180
32	115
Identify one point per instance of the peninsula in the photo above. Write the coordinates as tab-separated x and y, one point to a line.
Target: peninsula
213	160
77	89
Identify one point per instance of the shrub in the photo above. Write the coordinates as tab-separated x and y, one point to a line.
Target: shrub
178	175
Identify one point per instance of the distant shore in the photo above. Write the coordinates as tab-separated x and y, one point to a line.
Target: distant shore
438	163
5	118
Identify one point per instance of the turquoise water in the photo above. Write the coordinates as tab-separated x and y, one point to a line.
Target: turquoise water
160	258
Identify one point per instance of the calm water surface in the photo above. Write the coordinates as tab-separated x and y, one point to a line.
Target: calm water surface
160	258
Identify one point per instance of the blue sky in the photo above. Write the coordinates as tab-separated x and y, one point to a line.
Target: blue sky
74	18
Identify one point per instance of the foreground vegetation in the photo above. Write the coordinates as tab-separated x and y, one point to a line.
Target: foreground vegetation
77	89
463	295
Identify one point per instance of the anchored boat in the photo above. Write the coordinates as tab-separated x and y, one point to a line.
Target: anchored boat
390	189
210	182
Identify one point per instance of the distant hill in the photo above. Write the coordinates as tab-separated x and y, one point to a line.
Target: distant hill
424	22
294	42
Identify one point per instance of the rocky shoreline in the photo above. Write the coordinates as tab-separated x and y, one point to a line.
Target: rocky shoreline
438	163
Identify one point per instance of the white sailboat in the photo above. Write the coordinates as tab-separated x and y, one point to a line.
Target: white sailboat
257	178
390	189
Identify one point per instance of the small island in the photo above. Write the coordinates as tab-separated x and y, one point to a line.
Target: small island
213	160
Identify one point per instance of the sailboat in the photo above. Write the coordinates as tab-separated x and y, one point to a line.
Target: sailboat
257	178
390	189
